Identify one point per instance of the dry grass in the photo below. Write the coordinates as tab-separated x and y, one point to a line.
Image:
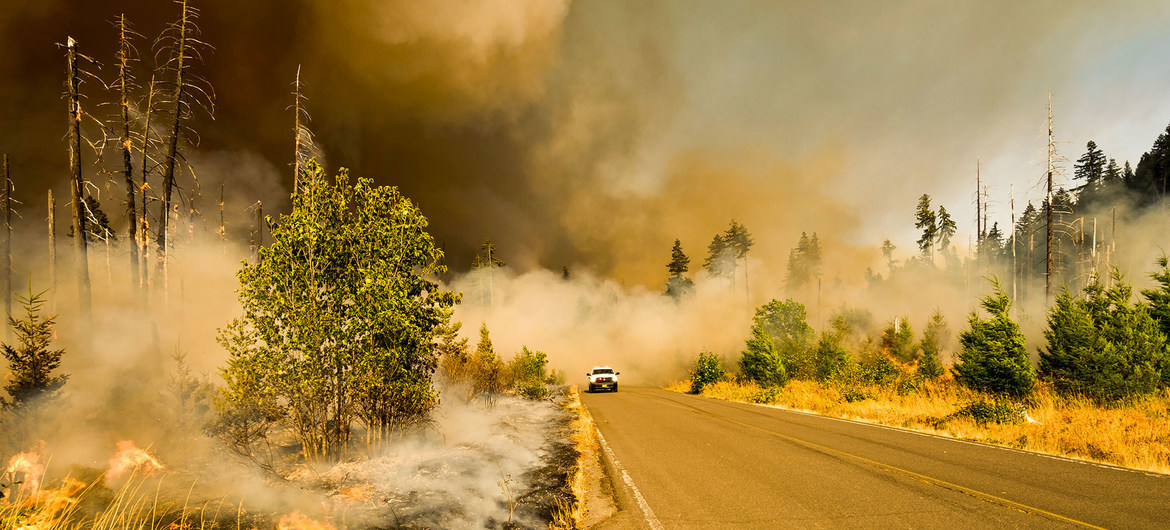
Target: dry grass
571	514
1135	435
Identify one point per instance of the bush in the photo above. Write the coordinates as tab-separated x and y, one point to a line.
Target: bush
761	362
527	371
1101	346
993	358
933	338
786	325
708	369
766	396
1001	412
830	357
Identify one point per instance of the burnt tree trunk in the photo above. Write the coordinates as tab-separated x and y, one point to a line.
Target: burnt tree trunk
172	142
127	169
6	276
75	186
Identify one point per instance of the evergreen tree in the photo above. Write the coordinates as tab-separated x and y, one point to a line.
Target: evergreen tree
1112	173
1152	174
992	357
946	228
888	251
1101	346
31	362
720	262
1090	167
804	263
487	256
678	285
831	357
898	340
934	337
1159	309
97	225
927	221
738	239
679	262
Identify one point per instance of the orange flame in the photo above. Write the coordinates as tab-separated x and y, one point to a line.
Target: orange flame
299	521
48	507
130	457
29	464
356	493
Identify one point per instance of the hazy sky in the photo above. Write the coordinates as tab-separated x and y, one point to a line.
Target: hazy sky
592	134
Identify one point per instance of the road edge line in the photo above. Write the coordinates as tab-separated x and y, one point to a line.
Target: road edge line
648	512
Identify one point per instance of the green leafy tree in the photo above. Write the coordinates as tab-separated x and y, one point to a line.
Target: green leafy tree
32	363
708	369
992	357
934	337
898	340
340	313
528	373
785	323
926	221
678	285
1101	345
761	362
831	357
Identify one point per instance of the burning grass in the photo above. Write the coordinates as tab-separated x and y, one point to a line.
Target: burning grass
1135	435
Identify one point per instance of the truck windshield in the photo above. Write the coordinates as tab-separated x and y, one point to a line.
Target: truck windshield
603	371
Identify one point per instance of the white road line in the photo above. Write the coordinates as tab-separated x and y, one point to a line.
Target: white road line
651	519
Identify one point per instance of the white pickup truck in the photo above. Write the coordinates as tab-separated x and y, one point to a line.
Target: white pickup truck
603	378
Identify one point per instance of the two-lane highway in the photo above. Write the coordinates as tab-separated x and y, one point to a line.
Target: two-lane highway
683	461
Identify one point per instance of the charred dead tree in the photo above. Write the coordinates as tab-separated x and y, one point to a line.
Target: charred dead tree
75	185
186	91
144	241
305	148
6	277
222	229
124	84
1048	260
52	250
258	231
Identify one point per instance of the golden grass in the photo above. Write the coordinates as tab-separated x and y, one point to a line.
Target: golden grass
571	514
1135	435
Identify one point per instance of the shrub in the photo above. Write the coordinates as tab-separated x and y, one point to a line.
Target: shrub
1101	346
528	373
1002	412
898	340
830	357
993	358
767	395
786	325
933	338
761	362
708	369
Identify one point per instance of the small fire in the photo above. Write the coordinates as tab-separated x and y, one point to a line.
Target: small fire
130	457
299	521
29	464
356	493
47	508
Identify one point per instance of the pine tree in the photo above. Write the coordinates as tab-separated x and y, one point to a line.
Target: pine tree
678	285
888	252
1159	309
927	221
720	261
898	340
1090	167
31	362
946	228
934	337
992	357
1101	345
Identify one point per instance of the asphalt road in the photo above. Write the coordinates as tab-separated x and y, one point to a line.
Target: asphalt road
680	461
